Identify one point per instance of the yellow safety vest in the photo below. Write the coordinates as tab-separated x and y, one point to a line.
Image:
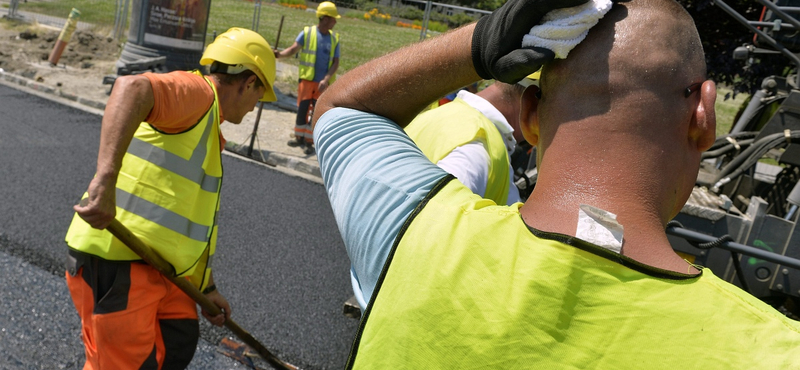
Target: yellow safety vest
167	194
468	285
439	131
308	55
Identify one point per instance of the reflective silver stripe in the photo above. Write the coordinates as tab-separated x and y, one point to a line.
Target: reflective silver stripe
162	216
191	169
307	64
307	40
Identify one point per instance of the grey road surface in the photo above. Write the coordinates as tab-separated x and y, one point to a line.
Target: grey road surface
280	261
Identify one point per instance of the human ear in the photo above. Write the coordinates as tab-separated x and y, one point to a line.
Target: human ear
528	115
703	129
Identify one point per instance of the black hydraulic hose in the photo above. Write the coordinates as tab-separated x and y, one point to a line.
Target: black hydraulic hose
693	237
723	140
724	149
751	155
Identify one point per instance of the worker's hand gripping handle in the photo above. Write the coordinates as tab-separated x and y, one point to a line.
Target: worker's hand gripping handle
148	255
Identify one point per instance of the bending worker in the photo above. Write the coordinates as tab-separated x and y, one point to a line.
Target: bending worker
319	60
455	281
159	172
473	138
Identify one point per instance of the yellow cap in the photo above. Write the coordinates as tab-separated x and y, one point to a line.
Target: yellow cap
327	8
244	49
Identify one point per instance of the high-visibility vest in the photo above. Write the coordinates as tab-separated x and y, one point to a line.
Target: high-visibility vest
308	55
167	194
439	131
469	285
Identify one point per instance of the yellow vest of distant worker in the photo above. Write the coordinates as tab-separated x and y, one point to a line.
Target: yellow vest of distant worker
439	131
167	194
308	55
470	286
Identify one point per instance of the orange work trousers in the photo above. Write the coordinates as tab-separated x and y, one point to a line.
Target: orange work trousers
132	317
307	95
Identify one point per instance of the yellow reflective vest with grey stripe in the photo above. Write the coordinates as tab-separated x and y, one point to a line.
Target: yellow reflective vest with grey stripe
308	55
167	194
439	131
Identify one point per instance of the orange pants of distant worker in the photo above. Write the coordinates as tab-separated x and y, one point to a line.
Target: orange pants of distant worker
307	95
132	317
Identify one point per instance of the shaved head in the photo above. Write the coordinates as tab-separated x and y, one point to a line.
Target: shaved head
615	126
637	60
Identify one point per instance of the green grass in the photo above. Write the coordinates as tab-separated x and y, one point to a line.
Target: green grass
727	109
361	40
98	12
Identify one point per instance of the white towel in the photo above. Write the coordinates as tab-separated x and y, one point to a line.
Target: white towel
563	29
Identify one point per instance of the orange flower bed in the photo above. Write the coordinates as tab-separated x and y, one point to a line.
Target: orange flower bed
408	25
295	6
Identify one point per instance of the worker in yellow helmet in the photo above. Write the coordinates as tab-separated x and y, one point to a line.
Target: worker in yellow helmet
159	173
319	60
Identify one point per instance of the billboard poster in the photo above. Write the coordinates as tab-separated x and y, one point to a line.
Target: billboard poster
177	24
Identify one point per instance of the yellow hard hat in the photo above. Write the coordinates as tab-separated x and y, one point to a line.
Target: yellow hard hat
531	79
327	8
244	49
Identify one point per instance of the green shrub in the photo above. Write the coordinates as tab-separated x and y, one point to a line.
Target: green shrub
407	12
433	26
460	19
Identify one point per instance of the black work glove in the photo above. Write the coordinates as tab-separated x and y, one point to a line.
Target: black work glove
497	51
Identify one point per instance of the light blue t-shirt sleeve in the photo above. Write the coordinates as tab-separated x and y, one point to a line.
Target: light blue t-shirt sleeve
375	177
300	39
336	52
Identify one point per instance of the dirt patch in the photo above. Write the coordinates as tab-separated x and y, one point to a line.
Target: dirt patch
89	56
25	48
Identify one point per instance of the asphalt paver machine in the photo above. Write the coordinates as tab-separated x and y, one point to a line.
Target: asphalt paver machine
741	220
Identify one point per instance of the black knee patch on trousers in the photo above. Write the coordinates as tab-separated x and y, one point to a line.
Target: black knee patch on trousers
110	282
180	341
151	363
302	112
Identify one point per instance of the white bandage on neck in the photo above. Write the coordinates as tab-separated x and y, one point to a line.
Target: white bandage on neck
563	29
599	227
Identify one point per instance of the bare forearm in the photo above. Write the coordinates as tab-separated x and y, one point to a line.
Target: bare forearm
333	68
399	85
288	51
129	104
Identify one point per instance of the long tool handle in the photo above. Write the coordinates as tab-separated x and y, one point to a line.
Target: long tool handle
148	255
278	39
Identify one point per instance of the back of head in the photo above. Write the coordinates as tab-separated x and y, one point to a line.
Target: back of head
615	125
635	64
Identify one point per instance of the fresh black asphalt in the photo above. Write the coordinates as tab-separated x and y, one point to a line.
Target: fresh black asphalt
280	261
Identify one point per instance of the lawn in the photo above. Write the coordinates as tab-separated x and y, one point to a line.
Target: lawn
361	40
727	108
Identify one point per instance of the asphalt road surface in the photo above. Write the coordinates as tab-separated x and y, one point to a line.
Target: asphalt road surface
280	260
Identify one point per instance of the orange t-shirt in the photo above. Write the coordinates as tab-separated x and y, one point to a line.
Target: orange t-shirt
181	99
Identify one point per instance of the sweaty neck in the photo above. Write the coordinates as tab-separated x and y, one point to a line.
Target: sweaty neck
567	180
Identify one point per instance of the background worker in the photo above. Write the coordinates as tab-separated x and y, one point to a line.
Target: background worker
159	173
319	60
473	138
455	281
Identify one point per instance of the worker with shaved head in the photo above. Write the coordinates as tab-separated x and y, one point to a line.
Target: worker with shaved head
579	277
